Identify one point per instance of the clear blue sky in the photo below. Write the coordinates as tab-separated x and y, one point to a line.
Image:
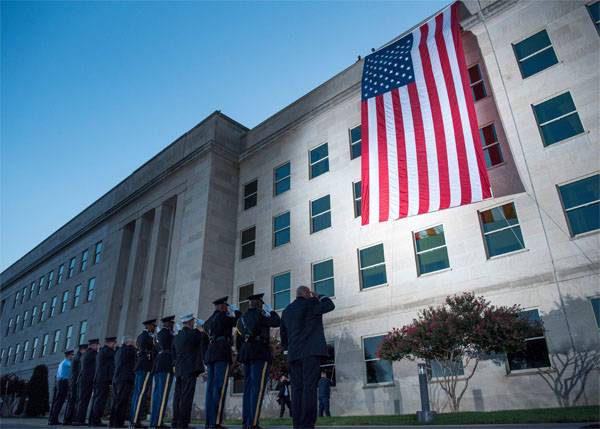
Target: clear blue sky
90	90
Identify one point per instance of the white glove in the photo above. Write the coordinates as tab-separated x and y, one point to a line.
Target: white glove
233	308
199	323
178	327
267	310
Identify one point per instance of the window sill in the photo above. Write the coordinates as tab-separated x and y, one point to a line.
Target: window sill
321	230
437	380
542	71
374	287
504	255
585	234
432	273
568	139
493	167
281	245
376	385
529	371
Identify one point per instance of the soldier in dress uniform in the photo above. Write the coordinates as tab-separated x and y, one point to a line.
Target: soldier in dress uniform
188	349
143	370
85	381
254	351
219	328
163	371
71	408
105	368
61	388
122	382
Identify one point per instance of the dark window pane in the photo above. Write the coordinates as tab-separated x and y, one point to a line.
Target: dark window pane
355	134
538	62
488	135
478	91
282	221
553	108
250	201
238	383
282	186
493	155
283	171
581	192
499	217
325	287
439	370
371	256
373	276
430	238
504	241
323	270
320	205
281	237
246	291
248	235
321	222
251	187
535	355
584	219
318	153
371	345
596	308
433	260
561	129
247	250
357	190
281	282
532	44
379	371
355	150
281	300
319	168
474	73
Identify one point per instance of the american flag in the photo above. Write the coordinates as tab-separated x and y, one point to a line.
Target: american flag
421	149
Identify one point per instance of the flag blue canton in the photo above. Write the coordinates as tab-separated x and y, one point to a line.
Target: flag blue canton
388	68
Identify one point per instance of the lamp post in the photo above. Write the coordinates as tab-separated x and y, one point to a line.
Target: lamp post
425	415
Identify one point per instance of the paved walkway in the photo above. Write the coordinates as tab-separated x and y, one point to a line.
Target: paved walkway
26	423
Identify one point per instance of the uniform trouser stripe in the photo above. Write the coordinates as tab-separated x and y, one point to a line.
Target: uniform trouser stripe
260	394
163	403
140	397
222	397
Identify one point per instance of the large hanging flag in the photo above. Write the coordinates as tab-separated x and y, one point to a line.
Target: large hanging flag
421	148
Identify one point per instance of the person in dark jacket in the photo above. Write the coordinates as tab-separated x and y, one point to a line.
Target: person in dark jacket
284	395
188	347
105	368
143	369
71	408
254	352
85	381
163	371
219	328
324	395
61	388
122	382
303	337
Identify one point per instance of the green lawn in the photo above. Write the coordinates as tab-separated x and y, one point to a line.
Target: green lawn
540	415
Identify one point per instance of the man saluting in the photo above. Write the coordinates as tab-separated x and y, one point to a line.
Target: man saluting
254	351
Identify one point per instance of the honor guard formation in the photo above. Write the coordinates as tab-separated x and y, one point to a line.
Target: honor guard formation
140	374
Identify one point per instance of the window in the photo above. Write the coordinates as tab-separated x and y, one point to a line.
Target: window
535	54
65	301
581	203
25	350
476	82
32	289
9	327
328	363
1	357
17	353
71	267
84	259
501	230
355	140
34	347
437	370
61	271
34	314
322	278
281	229
44	345
90	289
319	160
557	119
17	298
594	11
282	179
491	148
68	337
281	291
371	264
320	214
357	191
43	311
50	280
97	252
248	242
56	340
9	355
377	370
52	307
535	354
41	285
596	308
431	251
23	294
244	293
17	323
76	296
238	383
82	331
250	194
25	319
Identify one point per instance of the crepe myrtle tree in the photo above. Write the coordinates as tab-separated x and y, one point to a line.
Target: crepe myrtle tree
458	334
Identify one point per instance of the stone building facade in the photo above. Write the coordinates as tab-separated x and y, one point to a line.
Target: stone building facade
226	210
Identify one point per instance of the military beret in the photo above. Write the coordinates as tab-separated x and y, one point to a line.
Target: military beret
83	346
68	352
221	300
94	341
149	322
258	296
167	319
109	339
